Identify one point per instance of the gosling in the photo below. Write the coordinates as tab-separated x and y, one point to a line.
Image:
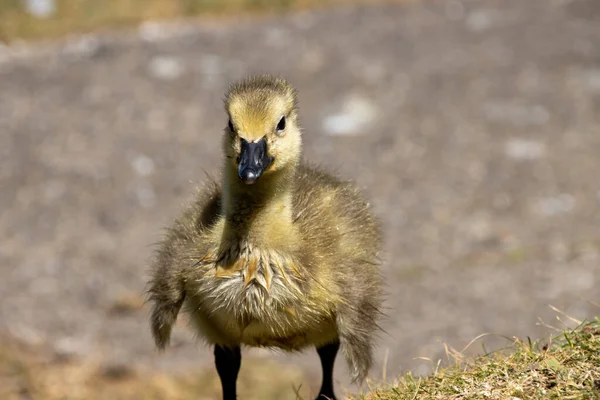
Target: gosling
280	255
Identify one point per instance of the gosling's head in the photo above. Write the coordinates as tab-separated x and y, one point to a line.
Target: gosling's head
262	136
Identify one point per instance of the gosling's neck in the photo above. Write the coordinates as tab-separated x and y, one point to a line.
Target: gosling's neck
260	213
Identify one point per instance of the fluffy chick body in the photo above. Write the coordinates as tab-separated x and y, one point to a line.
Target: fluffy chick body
288	262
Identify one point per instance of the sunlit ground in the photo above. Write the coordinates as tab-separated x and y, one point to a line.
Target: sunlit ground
32	373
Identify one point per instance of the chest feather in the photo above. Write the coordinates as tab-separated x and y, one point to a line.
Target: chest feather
248	283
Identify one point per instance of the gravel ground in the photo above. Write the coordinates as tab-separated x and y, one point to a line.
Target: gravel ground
474	127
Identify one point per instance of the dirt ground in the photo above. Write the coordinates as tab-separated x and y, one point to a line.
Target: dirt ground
473	126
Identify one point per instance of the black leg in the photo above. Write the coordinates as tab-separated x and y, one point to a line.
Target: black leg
327	354
228	361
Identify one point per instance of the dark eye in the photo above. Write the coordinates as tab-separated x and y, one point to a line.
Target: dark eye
231	126
281	125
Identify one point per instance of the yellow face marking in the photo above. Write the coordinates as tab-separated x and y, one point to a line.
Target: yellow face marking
255	118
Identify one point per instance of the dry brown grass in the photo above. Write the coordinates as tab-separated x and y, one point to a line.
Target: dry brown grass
566	367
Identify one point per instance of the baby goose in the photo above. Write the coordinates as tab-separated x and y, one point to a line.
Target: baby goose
281	255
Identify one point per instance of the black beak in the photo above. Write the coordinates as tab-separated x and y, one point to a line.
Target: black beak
253	160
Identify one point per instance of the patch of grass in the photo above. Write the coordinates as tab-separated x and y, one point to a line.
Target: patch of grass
82	16
566	367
